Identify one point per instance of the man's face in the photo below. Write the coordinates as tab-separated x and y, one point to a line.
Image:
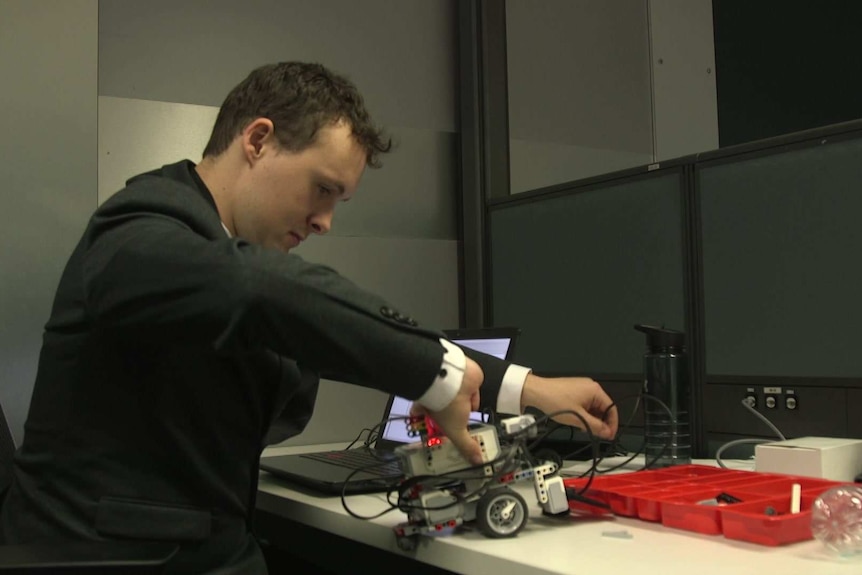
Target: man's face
287	196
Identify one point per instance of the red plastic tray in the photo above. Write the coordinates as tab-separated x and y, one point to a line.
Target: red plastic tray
684	497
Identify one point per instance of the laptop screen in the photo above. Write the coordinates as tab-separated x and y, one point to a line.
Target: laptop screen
496	341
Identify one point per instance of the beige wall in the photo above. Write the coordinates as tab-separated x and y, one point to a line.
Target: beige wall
48	65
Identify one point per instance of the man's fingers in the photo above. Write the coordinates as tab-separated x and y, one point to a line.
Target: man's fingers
601	428
417	409
468	447
597	427
612	420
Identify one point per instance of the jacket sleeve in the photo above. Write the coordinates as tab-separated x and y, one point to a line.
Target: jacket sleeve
147	268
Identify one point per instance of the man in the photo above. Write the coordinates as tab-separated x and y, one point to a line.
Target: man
184	337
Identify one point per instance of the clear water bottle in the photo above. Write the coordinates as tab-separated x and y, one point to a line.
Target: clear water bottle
667	436
836	519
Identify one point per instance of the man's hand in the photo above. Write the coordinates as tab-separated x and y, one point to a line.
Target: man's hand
454	418
579	394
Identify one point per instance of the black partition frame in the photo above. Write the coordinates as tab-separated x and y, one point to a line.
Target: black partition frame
688	168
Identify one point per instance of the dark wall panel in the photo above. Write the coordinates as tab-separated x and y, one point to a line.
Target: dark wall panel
785	65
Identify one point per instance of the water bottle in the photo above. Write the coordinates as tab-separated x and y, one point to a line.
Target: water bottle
836	519
666	398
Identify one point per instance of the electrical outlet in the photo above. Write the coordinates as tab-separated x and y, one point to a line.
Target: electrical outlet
750	398
772	397
791	402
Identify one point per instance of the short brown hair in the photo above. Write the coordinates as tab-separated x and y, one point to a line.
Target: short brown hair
300	98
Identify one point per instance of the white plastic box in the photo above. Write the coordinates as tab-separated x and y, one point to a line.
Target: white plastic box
824	457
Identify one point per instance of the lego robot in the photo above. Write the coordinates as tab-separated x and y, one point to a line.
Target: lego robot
441	490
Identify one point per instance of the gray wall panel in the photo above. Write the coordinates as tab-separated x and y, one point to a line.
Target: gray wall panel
139	135
48	54
538	164
579	84
414	194
401	53
685	104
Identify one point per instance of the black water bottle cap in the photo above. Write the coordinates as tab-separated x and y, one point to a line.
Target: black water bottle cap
662	337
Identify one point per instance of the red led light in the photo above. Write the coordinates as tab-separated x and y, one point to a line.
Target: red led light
433	441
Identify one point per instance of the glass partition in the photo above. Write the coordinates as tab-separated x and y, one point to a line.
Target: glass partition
781	239
577	267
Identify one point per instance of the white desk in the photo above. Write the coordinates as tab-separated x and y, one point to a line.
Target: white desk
573	545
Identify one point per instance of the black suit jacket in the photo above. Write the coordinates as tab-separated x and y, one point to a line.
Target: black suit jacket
173	354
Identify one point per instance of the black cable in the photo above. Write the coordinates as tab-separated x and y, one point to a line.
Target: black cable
752	441
596	461
371	436
592	442
647	464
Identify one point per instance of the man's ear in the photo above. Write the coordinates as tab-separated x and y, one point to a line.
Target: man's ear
255	136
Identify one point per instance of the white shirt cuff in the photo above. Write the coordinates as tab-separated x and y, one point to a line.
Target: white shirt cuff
509	399
448	381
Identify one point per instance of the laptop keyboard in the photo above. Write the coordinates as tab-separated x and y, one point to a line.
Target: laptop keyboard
384	465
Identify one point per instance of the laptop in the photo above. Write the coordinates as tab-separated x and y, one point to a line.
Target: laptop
376	467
